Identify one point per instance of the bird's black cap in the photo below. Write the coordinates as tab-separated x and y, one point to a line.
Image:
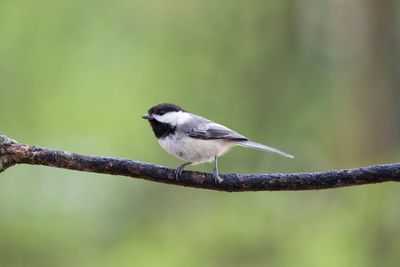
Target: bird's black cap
164	108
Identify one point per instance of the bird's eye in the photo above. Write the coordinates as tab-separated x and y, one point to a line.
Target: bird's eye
162	112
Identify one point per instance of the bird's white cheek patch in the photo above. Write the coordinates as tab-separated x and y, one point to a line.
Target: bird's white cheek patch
173	118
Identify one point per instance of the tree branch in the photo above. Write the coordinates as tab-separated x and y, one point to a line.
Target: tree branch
12	153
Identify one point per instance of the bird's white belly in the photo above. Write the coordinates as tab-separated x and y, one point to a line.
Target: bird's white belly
194	150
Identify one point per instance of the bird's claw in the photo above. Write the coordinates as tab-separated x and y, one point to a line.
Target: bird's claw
217	179
178	173
179	170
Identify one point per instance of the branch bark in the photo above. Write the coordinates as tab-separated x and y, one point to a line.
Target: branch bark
12	153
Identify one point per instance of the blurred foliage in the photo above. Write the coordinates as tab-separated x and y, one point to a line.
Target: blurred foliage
310	77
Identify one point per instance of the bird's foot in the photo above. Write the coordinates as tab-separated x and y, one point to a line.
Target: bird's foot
179	170
216	177
178	173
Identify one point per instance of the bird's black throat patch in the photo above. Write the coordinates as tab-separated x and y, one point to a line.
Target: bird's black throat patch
162	130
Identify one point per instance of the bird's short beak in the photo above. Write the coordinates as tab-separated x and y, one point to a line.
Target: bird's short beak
147	117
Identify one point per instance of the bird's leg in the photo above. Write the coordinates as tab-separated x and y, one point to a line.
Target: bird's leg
180	169
215	173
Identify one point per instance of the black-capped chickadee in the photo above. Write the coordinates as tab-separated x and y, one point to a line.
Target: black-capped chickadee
195	139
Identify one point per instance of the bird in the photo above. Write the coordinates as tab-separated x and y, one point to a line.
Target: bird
195	139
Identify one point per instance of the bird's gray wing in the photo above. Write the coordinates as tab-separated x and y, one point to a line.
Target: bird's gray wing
201	128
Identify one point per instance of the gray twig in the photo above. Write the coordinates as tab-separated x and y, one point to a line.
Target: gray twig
12	153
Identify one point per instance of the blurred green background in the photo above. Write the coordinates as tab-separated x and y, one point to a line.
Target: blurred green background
319	79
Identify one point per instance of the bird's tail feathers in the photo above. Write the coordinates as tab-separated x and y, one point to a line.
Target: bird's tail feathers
254	145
